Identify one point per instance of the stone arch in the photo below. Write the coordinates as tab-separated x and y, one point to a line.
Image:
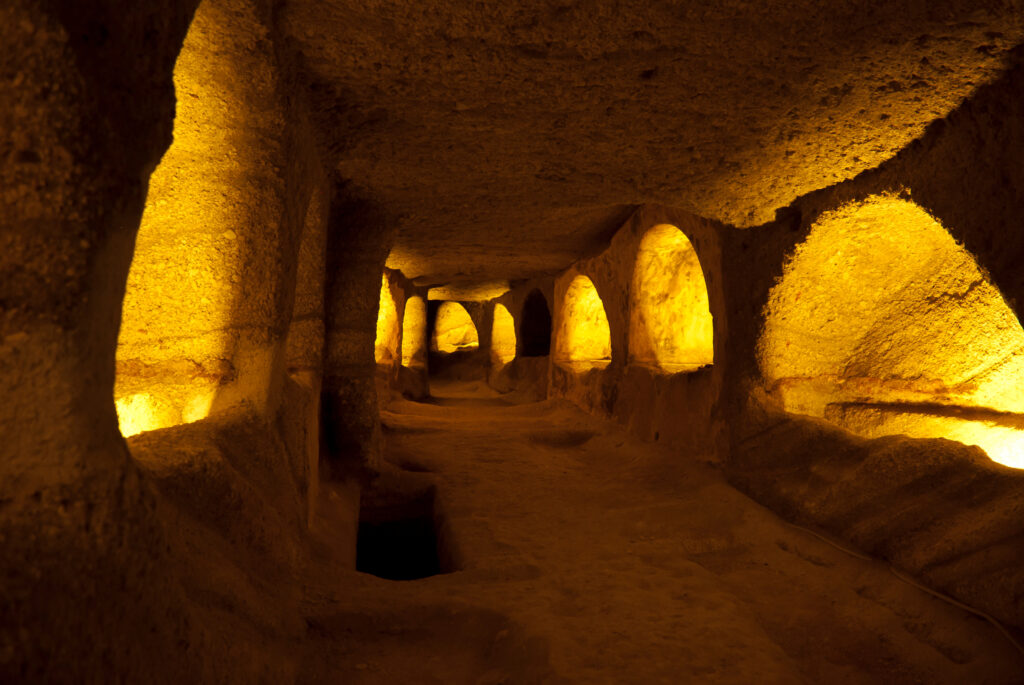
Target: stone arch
671	327
454	330
584	336
414	333
503	336
883	324
535	325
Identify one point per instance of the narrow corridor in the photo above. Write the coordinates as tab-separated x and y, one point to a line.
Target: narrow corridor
587	556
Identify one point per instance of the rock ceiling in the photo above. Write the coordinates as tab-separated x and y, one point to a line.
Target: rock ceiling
510	137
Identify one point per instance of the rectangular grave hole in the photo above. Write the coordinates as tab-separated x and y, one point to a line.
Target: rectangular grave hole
401	532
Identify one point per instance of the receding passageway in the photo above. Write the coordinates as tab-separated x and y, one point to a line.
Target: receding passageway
533	342
587	556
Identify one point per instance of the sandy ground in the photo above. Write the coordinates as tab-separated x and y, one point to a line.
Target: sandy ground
588	557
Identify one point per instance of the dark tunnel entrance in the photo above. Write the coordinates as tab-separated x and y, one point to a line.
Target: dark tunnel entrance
535	329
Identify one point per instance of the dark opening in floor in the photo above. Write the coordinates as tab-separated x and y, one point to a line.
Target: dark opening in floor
398	532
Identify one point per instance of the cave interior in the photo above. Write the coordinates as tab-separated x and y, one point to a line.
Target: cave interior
541	341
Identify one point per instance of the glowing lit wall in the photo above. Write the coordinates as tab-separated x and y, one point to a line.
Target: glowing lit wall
385	346
453	329
670	320
414	332
584	338
503	336
883	324
202	291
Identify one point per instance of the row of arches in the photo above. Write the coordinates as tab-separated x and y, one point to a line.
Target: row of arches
671	328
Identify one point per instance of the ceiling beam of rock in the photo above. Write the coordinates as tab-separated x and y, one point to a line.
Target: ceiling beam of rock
512	137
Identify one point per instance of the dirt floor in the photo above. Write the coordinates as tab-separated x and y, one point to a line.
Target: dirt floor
585	556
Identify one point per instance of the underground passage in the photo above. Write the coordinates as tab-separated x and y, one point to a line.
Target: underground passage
524	342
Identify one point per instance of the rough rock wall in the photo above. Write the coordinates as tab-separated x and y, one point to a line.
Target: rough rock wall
206	309
358	239
674	407
81	551
936	508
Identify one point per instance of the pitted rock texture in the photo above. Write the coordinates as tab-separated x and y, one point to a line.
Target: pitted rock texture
529	127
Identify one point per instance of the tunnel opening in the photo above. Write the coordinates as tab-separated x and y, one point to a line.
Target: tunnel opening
883	324
671	329
584	336
535	325
402	535
503	336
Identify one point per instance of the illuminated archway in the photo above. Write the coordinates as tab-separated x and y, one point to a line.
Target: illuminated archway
535	326
584	338
454	330
503	336
414	332
385	345
882	324
670	325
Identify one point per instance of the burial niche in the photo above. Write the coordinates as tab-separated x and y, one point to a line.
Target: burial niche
670	327
535	325
584	338
386	343
414	333
503	336
454	330
884	325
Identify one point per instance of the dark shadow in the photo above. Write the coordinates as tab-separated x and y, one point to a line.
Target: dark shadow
535	327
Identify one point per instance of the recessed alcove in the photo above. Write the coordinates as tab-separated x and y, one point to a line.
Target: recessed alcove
584	337
454	330
535	325
883	324
503	336
414	332
670	326
385	344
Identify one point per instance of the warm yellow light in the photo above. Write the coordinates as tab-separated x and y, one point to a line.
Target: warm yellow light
145	411
478	292
503	336
183	309
385	345
880	307
414	332
670	320
584	338
453	329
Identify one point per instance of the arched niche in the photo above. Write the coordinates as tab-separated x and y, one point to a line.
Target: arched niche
584	337
883	324
503	336
454	330
414	332
385	345
535	325
670	326
199	326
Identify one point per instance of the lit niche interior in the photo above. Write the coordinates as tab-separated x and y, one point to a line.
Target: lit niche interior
454	330
179	324
503	336
584	338
414	333
670	326
385	344
883	324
